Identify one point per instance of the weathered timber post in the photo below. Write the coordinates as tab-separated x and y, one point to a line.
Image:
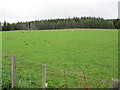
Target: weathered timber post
44	76
13	71
115	83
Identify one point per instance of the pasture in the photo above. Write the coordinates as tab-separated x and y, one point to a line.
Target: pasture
92	53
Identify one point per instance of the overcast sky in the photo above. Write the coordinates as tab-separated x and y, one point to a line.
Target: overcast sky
28	10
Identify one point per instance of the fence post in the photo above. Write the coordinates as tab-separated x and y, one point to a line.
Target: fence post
44	76
13	71
115	83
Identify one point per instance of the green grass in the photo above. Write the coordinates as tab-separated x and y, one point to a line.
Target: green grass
90	52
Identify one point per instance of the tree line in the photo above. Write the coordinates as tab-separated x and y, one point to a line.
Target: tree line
75	22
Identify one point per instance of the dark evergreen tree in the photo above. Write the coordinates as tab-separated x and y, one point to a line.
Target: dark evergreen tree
0	26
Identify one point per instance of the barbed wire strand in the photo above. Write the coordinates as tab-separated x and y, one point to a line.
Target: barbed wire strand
6	54
79	74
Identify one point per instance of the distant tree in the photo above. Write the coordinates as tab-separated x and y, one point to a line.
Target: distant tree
4	28
117	23
0	26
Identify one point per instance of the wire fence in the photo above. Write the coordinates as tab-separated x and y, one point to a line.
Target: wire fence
29	75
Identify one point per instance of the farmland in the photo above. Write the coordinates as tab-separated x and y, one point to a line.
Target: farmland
90	52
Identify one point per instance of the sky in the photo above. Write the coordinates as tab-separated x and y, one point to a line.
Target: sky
30	10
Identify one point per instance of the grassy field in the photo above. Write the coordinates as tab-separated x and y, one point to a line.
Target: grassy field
92	53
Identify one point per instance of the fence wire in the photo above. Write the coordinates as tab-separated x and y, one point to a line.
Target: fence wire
56	77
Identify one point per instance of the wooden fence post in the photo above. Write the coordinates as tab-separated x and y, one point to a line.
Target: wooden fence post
13	71
44	76
115	83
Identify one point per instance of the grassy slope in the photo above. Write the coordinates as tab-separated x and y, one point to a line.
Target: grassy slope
94	50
